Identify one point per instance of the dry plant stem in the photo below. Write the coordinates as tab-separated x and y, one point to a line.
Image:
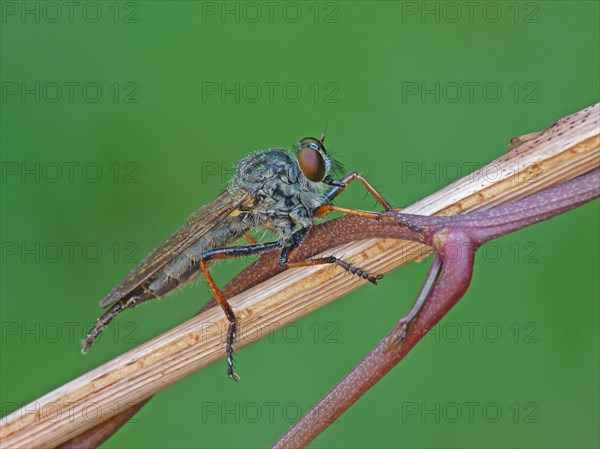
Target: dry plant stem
566	149
455	239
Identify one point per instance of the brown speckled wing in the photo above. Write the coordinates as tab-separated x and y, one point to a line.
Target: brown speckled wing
197	225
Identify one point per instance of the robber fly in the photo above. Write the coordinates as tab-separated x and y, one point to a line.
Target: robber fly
273	190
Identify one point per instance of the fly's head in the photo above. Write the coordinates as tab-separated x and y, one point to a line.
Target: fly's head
314	162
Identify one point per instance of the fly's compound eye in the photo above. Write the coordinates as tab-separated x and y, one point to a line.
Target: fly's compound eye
311	142
311	159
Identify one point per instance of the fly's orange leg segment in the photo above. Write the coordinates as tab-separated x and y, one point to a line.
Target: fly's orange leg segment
325	209
227	253
340	186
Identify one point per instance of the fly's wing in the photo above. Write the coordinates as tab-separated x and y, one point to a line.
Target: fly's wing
197	225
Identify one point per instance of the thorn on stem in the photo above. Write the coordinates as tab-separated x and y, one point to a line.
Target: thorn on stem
398	336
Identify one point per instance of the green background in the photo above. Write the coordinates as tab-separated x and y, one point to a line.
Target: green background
167	133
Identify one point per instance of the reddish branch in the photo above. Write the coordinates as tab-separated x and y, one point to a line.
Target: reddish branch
455	240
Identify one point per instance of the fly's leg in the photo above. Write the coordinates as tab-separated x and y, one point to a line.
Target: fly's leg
337	188
296	239
325	209
335	260
340	186
226	253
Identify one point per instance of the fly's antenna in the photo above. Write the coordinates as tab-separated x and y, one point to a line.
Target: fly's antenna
324	133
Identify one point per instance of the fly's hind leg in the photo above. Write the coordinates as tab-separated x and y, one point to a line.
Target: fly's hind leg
226	253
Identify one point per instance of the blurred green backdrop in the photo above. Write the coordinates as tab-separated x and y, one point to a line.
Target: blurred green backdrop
121	118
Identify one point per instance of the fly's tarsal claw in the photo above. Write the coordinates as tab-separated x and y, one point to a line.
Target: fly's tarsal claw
373	279
355	270
230	372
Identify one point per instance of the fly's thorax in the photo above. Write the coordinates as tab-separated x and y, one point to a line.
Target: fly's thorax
253	171
281	197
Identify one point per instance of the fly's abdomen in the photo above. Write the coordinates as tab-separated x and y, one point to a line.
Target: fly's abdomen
185	267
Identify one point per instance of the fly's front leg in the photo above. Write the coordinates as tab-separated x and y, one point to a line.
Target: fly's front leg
337	187
327	208
340	186
296	239
226	253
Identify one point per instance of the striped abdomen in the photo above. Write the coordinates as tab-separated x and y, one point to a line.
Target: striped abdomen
185	267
